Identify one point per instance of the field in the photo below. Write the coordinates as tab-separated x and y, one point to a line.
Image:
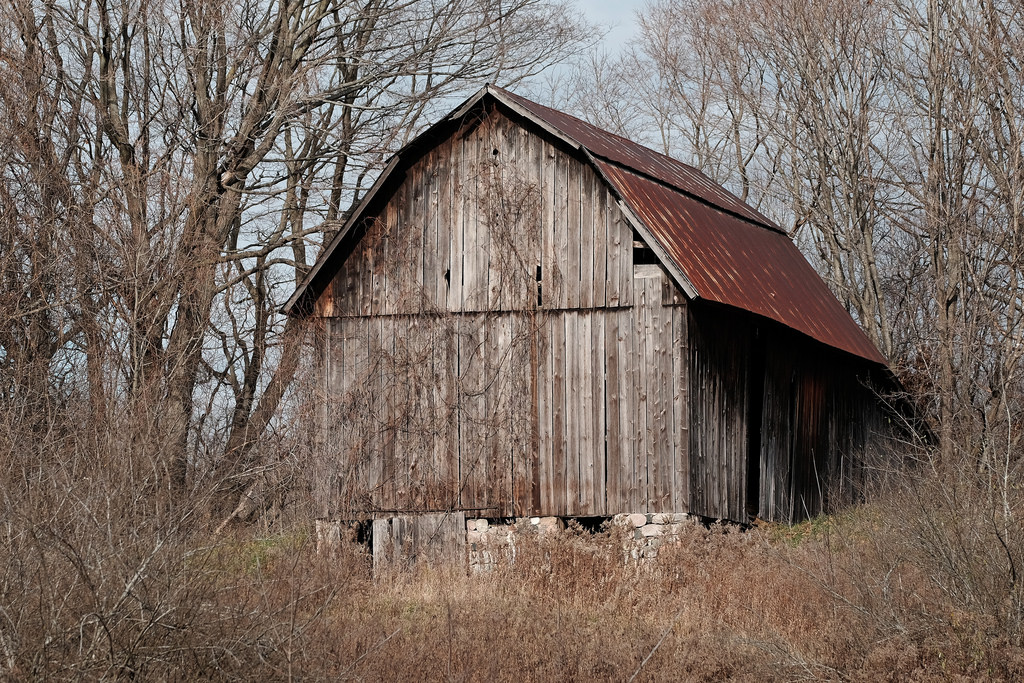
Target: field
918	585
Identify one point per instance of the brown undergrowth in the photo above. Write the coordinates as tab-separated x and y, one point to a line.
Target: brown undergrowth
909	587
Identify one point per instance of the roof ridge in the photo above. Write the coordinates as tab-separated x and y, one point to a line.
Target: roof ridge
604	131
736	206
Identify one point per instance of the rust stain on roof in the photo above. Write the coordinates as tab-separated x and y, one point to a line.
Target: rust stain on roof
729	252
643	159
734	262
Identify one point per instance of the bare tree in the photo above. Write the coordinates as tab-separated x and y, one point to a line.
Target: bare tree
886	137
167	168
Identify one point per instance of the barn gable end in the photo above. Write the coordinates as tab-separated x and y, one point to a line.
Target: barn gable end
511	327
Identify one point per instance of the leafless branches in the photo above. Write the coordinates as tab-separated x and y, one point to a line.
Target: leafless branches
147	148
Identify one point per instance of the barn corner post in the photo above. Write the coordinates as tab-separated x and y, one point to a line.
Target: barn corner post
529	318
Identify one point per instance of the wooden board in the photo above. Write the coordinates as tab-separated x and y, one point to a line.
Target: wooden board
598	426
616	496
544	420
523	399
680	409
559	420
600	210
406	540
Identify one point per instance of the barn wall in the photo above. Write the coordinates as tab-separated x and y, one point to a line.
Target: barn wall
822	420
490	346
719	396
781	426
573	413
494	218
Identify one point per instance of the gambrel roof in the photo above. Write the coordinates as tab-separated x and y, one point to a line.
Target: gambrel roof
714	246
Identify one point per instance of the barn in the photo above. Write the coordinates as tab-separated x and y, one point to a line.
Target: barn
529	316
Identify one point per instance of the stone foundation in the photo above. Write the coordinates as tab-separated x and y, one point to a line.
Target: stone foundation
646	533
488	542
494	542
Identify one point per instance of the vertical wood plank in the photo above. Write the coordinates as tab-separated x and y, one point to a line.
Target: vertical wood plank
627	291
573	242
641	326
478	244
545	382
573	358
374	400
560	267
472	231
407	403
446	447
441	216
360	275
426	209
662	334
680	411
583	351
343	302
587	239
391	262
496	436
597	411
415	224
534	160
600	277
471	417
497	189
558	413
613	390
386	410
493	436
332	474
505	417
549	242
349	445
523	399
378	266
630	407
457	179
613	277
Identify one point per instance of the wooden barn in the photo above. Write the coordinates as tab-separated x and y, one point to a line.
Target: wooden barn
527	315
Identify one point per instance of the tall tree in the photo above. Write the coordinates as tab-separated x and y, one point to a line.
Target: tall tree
166	167
886	136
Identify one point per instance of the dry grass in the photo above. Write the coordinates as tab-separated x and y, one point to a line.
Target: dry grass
921	584
723	604
829	600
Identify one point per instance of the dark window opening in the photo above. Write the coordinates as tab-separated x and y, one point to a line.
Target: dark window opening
643	255
540	290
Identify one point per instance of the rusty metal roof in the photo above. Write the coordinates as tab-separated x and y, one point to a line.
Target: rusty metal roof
627	153
735	262
717	247
727	251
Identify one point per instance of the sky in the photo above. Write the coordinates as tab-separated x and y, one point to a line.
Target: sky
616	13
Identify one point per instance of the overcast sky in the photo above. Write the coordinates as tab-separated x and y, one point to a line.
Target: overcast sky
615	13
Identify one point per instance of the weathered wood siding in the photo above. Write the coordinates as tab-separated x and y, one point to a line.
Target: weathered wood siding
577	412
719	354
821	422
490	346
495	218
782	439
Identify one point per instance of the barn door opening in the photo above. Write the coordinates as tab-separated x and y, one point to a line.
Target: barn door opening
755	408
